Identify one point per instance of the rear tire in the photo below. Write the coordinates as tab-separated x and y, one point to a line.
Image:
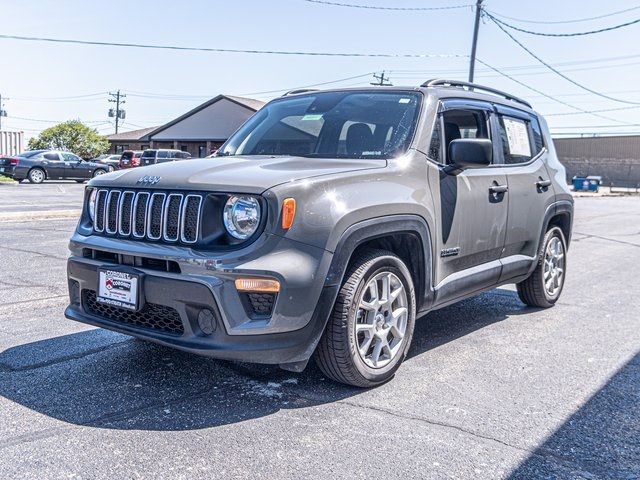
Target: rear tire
80	181
98	171
370	329
36	175
544	286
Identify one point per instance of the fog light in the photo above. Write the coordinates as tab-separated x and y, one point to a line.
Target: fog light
268	285
206	321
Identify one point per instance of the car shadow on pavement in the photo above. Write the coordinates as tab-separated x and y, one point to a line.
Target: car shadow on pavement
600	440
103	379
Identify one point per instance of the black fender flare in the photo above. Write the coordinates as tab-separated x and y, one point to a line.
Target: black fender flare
561	206
373	228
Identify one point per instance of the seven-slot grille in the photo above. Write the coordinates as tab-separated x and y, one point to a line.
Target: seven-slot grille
172	217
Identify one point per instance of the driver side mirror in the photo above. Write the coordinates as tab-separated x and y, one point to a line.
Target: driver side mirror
470	153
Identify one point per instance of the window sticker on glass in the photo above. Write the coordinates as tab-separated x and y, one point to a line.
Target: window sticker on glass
317	116
404	100
517	136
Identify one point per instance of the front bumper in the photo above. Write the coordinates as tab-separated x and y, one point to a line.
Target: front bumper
175	299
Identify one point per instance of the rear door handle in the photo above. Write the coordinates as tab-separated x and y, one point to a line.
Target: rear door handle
543	183
498	189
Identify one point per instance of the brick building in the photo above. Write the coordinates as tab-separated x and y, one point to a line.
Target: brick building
198	131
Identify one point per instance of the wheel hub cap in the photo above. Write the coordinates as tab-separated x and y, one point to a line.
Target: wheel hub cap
381	320
554	266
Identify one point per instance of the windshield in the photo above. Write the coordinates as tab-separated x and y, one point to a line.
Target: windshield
354	124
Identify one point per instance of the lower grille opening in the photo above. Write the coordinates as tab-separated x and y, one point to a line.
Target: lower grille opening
258	305
152	316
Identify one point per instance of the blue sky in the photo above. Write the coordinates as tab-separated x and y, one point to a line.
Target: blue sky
163	84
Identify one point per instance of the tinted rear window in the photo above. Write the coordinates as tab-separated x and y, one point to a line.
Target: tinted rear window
31	153
127	155
148	153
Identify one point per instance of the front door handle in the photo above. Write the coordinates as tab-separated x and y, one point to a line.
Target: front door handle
498	189
543	183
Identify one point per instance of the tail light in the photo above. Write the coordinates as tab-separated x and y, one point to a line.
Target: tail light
135	161
13	162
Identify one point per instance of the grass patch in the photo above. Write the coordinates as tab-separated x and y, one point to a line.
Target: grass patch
5	179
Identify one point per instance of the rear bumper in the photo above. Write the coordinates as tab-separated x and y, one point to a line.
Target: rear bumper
8	171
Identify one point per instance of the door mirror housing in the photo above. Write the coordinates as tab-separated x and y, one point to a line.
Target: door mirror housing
470	153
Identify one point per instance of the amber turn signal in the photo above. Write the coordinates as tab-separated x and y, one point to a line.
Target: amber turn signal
288	212
266	285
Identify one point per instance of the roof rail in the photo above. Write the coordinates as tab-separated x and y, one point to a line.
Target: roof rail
440	82
300	90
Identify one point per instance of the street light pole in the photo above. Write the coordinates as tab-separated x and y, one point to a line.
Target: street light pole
476	27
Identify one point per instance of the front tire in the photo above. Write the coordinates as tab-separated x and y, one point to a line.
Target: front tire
370	329
36	175
544	286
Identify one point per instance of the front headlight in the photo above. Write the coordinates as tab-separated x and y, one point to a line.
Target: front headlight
92	204
241	216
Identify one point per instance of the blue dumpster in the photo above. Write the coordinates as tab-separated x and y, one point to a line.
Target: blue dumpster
586	184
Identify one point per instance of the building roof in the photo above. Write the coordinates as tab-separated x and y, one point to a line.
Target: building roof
252	103
132	135
248	103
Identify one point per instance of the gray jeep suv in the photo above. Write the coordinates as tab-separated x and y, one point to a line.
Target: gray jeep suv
325	226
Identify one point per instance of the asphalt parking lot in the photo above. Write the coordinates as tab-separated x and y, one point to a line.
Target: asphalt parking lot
492	389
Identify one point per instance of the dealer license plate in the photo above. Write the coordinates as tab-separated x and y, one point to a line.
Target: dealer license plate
118	288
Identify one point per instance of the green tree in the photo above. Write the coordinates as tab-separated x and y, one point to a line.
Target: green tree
73	136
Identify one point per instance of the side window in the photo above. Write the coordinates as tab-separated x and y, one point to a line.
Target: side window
51	156
464	124
516	144
163	156
436	142
70	157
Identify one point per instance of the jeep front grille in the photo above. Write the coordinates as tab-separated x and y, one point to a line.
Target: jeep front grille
171	217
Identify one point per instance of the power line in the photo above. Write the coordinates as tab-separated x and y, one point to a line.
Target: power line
603	110
49	121
556	22
562	102
574	34
374	7
232	50
557	72
72	97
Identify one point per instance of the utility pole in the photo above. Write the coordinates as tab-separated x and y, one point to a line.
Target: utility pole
476	27
3	112
118	113
382	80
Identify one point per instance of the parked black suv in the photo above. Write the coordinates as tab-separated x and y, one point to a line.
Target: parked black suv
328	223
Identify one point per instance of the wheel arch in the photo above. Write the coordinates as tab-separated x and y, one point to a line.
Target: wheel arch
559	214
408	236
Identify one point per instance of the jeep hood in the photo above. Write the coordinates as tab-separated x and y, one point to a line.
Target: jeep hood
244	174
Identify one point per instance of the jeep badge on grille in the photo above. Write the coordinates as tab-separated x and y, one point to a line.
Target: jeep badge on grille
148	180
